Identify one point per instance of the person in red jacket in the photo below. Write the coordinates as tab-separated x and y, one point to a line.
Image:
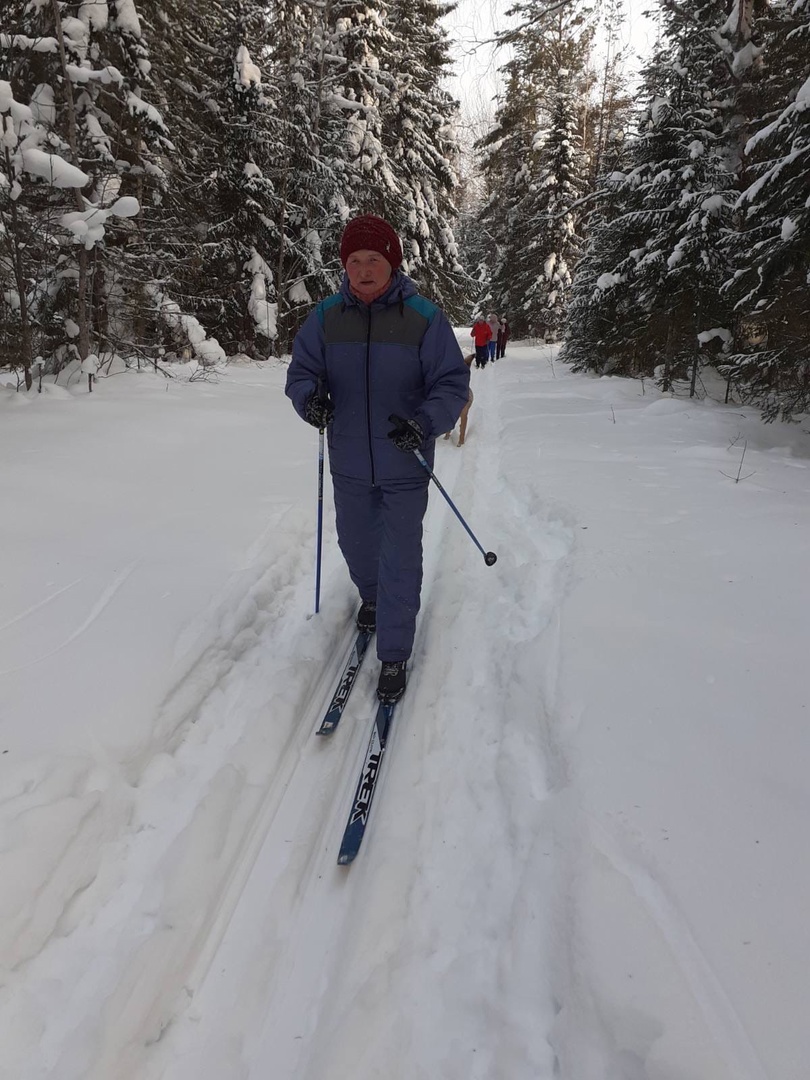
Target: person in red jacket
481	335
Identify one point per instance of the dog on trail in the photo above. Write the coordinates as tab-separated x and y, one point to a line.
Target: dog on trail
462	431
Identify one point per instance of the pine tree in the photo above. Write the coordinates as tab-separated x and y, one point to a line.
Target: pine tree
305	164
551	217
81	144
231	237
241	232
665	229
543	108
420	140
605	326
771	250
476	246
358	86
507	173
209	239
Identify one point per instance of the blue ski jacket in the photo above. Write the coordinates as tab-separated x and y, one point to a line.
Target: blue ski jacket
395	355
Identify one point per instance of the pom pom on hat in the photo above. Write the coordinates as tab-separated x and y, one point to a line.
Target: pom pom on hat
371	233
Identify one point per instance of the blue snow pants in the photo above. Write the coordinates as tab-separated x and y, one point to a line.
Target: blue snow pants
379	529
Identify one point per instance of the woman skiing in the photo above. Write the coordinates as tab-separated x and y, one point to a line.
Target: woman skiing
378	365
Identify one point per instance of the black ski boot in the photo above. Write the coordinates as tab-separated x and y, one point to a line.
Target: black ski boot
367	617
391	685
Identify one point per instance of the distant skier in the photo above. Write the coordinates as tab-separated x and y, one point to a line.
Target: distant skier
503	337
494	328
481	335
379	366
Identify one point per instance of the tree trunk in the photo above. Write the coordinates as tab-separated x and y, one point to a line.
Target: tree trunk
666	383
282	224
696	360
13	239
82	315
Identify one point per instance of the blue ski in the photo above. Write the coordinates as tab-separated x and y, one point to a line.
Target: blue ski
361	805
344	687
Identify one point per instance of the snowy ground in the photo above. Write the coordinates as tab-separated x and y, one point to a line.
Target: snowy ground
587	857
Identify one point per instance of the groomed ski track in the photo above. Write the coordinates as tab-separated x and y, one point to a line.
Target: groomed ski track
309	970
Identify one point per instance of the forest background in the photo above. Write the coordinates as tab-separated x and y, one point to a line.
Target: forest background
174	178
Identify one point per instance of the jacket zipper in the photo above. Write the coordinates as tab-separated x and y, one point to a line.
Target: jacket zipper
368	397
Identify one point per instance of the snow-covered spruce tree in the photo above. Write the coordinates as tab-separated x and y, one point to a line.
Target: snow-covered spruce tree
357	87
606	124
38	177
241	234
129	135
476	246
305	162
605	327
421	143
506	154
384	133
547	77
550	216
177	294
669	213
72	160
771	251
212	236
20	242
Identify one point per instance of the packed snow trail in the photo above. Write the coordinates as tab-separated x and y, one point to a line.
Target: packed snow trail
296	985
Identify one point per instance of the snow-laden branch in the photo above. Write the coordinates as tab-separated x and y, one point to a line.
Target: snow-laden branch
263	313
88	225
106	75
24	44
208	349
246	72
58	172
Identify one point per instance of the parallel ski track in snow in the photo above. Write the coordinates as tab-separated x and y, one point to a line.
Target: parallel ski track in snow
279	924
301	952
199	809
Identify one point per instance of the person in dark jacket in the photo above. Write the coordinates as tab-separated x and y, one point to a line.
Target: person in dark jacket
378	365
503	337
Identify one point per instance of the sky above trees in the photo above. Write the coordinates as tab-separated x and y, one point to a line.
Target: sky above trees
473	26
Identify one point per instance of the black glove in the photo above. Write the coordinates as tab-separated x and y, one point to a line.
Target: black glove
406	435
318	410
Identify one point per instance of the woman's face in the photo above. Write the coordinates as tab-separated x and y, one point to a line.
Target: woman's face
368	271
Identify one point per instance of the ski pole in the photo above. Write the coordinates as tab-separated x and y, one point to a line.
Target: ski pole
490	558
319	541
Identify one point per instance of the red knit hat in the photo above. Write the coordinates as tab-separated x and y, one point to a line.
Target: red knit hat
370	233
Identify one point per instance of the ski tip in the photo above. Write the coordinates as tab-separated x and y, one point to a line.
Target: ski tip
346	857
